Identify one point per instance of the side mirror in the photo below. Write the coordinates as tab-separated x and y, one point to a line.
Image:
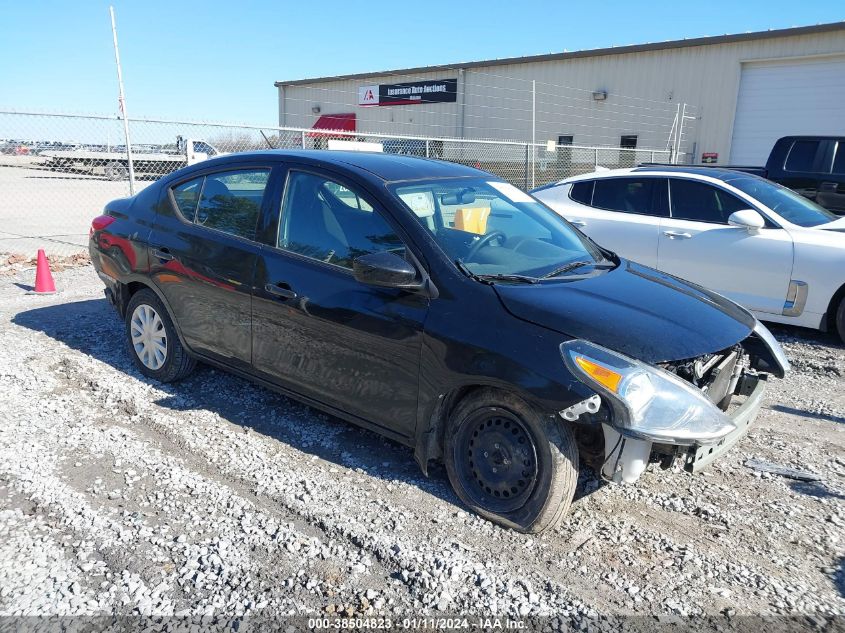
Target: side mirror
747	219
385	269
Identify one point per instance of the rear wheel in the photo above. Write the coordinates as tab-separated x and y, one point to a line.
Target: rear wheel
840	319
508	463
152	339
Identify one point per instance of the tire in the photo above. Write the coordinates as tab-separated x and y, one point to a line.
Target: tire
116	171
840	319
489	433
155	348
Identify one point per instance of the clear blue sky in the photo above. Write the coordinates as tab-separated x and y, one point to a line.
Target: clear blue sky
218	60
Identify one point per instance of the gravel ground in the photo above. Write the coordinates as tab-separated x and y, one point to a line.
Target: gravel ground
217	497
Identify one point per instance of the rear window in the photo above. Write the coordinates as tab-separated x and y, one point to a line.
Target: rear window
802	156
582	192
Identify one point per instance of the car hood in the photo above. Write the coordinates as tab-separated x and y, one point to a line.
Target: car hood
635	310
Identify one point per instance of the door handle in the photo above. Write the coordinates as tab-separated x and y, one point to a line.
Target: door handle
280	289
576	222
677	234
163	254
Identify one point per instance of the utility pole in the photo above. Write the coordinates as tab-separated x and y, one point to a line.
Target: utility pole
533	130
122	102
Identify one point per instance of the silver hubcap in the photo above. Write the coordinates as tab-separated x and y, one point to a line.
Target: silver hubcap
149	338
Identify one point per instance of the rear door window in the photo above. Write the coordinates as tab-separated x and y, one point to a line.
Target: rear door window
228	201
702	202
187	195
802	156
629	195
231	201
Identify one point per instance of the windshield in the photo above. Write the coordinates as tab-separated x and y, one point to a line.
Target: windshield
491	228
791	206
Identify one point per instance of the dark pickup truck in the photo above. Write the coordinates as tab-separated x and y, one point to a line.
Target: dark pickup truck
814	166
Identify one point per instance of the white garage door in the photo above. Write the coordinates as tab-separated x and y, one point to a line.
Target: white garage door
782	98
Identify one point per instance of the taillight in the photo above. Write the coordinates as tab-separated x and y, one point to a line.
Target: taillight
99	223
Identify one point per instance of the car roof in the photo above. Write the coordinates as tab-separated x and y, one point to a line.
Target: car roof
711	172
718	173
387	167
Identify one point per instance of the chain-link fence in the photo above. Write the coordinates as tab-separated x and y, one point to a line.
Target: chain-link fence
57	171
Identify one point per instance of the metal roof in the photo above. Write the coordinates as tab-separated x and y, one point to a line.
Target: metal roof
596	52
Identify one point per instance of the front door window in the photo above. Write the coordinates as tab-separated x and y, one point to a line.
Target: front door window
329	222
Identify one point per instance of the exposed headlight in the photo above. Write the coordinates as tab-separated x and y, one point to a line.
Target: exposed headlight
647	401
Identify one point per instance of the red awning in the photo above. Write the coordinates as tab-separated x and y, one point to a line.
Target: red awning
337	122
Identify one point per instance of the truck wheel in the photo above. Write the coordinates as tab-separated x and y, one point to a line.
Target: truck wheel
840	319
510	464
152	339
116	171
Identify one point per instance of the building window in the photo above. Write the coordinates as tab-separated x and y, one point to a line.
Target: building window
565	139
628	141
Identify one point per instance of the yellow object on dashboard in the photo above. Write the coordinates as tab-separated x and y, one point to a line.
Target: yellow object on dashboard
472	219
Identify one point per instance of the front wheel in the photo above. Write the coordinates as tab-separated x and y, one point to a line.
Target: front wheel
152	339
509	464
840	319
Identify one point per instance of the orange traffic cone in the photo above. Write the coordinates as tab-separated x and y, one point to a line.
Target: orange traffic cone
43	278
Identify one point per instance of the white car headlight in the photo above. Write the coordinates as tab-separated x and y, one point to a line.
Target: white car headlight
647	402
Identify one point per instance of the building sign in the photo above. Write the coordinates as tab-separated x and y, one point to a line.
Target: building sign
410	93
710	157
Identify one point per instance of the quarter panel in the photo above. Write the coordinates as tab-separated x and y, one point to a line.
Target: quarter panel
819	261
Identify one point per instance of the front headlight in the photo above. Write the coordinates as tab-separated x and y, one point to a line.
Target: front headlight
647	402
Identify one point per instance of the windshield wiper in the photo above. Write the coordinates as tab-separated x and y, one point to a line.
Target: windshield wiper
525	279
494	277
578	264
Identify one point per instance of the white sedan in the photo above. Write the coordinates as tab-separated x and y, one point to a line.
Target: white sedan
760	244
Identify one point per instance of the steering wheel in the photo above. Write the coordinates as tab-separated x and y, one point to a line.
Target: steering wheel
484	241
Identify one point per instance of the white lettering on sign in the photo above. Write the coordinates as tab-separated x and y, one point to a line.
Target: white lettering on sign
404	91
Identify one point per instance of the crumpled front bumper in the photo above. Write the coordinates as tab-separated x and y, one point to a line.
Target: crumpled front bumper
627	457
700	457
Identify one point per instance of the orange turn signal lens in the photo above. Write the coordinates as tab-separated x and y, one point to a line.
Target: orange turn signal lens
599	373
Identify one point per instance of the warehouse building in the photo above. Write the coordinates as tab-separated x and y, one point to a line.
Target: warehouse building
739	94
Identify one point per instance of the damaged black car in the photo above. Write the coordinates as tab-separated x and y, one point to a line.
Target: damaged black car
441	307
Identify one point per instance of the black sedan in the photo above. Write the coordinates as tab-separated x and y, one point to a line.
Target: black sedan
439	306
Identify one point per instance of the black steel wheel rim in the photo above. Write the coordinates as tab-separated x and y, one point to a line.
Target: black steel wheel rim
495	457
